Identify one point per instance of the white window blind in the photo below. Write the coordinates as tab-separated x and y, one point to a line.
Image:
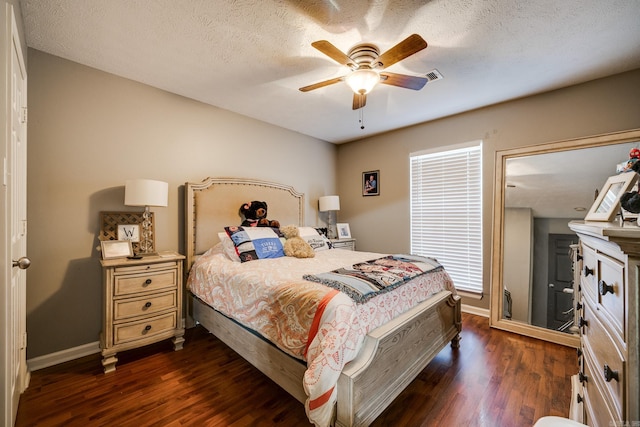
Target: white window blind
446	212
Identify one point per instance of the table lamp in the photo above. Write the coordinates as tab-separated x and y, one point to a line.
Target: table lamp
330	204
146	192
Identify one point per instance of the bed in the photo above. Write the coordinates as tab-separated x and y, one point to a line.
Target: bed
386	359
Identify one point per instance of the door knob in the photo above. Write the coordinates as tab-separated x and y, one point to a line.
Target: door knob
23	263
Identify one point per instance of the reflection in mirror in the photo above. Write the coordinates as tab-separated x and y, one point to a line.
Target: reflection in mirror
538	191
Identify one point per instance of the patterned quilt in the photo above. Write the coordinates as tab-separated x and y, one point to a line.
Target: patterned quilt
306	320
365	280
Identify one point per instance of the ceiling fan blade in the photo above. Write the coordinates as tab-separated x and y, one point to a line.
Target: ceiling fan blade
321	84
403	80
334	53
359	100
407	47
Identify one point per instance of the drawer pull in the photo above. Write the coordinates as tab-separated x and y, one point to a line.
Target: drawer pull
578	306
147	305
582	377
146	329
587	271
579	398
583	322
579	257
604	288
610	374
147	282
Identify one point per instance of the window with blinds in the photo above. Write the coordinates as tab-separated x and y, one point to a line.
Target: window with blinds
446	211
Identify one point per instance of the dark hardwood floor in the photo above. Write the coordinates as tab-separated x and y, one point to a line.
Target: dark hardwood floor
495	379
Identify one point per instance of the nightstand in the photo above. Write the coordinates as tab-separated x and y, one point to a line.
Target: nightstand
142	304
349	244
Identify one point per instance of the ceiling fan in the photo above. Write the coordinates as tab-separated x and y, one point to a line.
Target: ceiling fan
366	63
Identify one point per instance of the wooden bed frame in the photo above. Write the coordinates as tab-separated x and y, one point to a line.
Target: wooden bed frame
392	355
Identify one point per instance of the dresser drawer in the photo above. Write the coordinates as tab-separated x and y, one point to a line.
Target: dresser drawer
143	306
588	273
611	292
598	412
601	355
142	329
145	282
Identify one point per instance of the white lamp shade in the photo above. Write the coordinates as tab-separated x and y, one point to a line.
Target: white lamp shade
363	80
146	192
329	203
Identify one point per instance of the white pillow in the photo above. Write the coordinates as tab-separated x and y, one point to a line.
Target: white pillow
317	241
228	247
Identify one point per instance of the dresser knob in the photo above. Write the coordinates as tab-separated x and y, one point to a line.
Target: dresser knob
610	374
587	271
604	288
147	282
582	377
148	304
583	322
579	257
146	329
579	398
578	306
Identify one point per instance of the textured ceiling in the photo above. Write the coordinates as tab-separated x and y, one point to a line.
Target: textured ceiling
251	56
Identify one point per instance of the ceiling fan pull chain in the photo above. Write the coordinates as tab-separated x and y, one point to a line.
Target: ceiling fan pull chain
361	112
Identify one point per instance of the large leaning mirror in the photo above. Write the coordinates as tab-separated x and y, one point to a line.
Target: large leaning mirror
539	189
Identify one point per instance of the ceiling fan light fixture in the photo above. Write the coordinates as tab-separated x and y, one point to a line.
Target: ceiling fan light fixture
362	81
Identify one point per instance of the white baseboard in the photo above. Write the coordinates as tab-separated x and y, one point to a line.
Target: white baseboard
475	310
62	356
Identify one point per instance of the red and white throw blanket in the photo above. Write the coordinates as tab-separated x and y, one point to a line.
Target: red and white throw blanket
307	320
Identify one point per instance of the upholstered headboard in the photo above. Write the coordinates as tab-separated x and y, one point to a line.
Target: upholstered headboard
214	204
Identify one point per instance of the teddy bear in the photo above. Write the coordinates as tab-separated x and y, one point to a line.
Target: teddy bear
295	245
255	215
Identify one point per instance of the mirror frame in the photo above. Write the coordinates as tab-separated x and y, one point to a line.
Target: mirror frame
497	249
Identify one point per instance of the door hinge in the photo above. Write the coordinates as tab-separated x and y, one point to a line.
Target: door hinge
24	115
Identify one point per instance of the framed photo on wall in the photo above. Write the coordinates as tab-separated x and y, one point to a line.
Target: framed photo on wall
371	183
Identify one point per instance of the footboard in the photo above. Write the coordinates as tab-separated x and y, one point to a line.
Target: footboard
393	355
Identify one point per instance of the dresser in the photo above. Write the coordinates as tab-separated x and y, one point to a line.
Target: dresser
347	243
142	304
609	266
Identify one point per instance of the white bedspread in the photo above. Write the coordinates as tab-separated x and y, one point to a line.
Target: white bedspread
307	320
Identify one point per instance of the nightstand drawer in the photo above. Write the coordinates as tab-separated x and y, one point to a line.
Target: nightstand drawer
145	282
145	306
143	329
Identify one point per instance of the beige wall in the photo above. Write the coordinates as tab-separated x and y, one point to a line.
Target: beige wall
381	223
89	131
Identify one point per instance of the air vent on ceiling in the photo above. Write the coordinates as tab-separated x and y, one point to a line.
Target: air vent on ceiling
434	75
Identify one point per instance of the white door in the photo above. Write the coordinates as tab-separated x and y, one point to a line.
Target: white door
15	222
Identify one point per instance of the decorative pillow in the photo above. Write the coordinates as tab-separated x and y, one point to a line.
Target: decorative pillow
254	243
318	241
228	247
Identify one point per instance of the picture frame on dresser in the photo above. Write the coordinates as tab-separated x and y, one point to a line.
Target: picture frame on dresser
112	249
344	232
123	226
607	203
